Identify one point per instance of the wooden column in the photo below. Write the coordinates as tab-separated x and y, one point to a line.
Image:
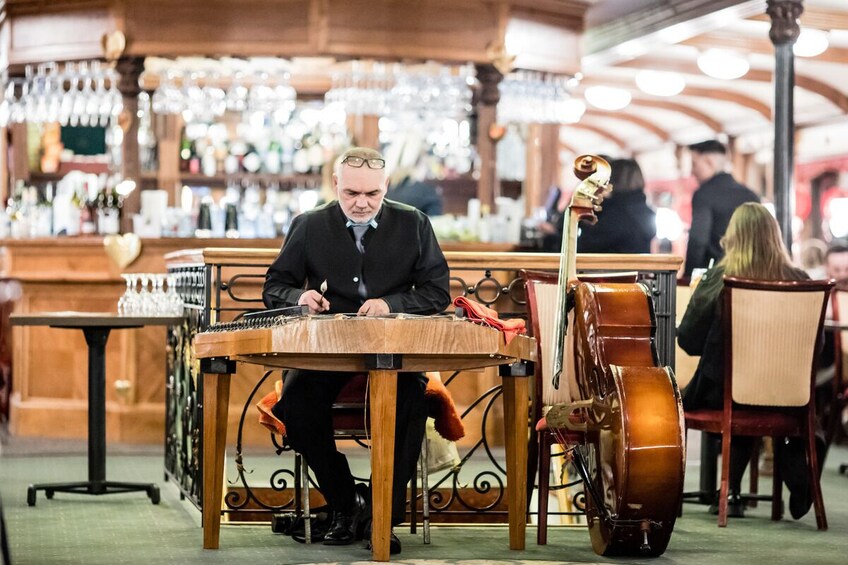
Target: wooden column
364	130
543	165
784	31
487	115
167	128
130	69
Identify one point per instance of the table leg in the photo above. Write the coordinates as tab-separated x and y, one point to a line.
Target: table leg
216	399
96	339
383	399
515	398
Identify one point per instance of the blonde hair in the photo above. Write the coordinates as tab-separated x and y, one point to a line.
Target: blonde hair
754	248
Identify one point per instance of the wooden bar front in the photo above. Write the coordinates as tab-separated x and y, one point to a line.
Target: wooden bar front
49	381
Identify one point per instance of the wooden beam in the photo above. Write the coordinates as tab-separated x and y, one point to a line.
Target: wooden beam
599	131
833	95
695	92
761	45
641	122
697	115
813	16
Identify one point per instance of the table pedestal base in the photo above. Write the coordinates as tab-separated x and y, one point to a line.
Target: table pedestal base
92	487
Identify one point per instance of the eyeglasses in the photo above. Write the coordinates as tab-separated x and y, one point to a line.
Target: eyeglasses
357	162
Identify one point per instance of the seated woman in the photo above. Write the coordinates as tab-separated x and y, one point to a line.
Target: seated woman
626	223
754	250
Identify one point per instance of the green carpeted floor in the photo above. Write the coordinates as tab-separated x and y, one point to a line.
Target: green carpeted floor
74	529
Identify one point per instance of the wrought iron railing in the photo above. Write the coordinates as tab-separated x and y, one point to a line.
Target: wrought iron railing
220	285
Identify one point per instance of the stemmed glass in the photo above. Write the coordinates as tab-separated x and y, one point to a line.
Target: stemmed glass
127	304
175	303
145	304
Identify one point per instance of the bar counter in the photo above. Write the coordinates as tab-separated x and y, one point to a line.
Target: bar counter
50	381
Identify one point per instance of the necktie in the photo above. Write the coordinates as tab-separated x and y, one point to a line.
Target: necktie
359	233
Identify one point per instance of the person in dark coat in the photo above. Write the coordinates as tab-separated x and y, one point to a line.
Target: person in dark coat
420	194
378	257
626	223
717	196
755	250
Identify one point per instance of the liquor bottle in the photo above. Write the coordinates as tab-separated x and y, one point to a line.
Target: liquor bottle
186	153
108	211
88	216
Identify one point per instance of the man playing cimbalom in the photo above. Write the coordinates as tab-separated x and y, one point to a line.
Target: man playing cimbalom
377	257
718	195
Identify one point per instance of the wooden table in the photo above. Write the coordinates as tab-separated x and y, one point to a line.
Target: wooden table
96	327
383	347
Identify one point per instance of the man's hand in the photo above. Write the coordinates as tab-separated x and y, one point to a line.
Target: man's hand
315	302
374	307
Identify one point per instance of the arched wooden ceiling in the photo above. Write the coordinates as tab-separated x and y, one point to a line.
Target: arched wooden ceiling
737	98
731	107
814	85
643	123
599	131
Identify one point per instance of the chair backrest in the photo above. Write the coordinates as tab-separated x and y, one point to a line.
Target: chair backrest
542	288
771	332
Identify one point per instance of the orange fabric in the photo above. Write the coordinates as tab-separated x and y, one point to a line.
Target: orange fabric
477	312
439	400
266	417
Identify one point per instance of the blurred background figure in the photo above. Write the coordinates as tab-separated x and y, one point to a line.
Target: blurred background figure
813	253
836	263
408	185
555	206
626	224
718	195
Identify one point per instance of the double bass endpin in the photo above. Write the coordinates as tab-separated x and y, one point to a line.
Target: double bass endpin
645	526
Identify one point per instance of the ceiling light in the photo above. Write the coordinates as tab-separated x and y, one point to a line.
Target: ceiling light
660	83
607	97
722	64
571	110
810	43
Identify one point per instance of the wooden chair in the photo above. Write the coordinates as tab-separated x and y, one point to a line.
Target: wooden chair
839	312
350	422
541	288
771	333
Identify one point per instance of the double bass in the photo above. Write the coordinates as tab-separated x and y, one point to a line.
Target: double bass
628	408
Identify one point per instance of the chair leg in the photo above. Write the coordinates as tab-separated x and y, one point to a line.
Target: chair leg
307	513
425	493
725	476
754	472
777	481
815	483
544	465
413	496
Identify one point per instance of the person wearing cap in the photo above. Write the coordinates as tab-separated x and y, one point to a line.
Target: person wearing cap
377	257
715	200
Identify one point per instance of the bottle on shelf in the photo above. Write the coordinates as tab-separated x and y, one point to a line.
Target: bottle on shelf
186	153
108	211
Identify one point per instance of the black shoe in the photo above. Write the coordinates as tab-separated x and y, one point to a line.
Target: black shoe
345	525
394	543
319	527
796	475
735	506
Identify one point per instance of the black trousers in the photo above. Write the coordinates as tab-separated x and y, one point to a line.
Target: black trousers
306	409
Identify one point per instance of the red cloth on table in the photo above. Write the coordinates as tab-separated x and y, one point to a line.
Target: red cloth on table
477	312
